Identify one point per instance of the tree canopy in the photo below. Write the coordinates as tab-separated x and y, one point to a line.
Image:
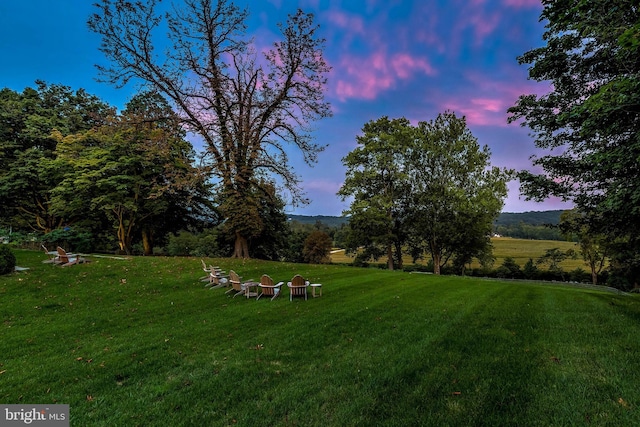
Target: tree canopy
377	181
137	170
244	106
456	194
27	145
428	187
589	120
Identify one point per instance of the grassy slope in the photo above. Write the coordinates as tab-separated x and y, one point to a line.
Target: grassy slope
379	348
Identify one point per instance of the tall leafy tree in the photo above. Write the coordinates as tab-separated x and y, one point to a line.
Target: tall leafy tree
246	108
272	240
317	247
27	173
456	194
593	245
430	187
137	171
590	120
377	181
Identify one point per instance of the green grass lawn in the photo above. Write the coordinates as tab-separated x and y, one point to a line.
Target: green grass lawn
142	342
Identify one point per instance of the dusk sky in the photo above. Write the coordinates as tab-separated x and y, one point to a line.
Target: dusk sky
395	58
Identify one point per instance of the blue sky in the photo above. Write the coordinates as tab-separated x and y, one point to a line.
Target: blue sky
396	58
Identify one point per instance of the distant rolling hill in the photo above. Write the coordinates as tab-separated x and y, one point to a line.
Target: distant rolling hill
331	221
531	218
505	218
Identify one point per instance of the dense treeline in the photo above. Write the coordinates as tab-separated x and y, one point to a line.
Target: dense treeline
537	225
524	230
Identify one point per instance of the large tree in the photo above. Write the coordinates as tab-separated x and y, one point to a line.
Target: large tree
377	181
245	107
593	246
138	170
590	119
27	172
429	187
456	194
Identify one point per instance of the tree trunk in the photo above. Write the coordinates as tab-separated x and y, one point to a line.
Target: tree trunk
123	232
147	242
122	238
241	247
399	262
594	276
390	257
436	263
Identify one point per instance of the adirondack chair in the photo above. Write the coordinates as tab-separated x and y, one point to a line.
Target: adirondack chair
236	284
67	259
298	287
268	288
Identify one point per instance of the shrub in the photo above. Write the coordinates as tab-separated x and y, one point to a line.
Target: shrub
7	260
182	243
317	247
579	275
530	270
70	239
185	243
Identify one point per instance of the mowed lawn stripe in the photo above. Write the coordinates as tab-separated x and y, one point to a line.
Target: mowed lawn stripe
142	342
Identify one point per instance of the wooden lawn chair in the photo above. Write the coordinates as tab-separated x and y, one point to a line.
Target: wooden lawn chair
268	288
69	259
236	284
52	257
206	270
216	279
298	287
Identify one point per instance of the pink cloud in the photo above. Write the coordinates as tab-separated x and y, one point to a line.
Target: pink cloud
492	105
522	3
353	23
404	64
323	186
484	25
365	78
480	111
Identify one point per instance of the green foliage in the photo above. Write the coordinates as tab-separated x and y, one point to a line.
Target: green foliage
524	230
246	108
429	187
185	243
7	260
271	244
27	171
552	259
330	221
588	123
551	217
317	247
509	269
137	173
594	245
530	270
69	238
377	180
455	194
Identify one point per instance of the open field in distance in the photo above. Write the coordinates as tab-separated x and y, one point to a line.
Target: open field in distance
519	249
